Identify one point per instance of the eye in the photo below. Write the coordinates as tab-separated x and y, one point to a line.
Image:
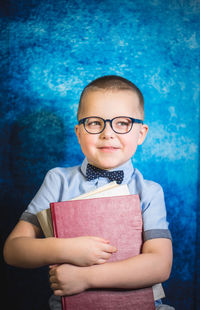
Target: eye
122	122
93	123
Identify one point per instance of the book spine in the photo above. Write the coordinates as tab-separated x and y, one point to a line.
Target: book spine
53	219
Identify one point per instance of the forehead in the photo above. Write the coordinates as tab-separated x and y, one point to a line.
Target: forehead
110	102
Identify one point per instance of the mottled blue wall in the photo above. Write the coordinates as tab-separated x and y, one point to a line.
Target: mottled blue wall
49	51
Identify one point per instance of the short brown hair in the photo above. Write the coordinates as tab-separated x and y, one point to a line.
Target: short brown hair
112	82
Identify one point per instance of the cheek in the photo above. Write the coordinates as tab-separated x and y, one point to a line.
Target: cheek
132	148
90	139
87	141
130	143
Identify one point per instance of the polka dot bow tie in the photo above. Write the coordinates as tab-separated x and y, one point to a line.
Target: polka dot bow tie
94	173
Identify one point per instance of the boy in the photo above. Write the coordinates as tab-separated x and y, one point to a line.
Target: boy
110	126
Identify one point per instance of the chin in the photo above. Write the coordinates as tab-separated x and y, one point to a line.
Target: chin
109	166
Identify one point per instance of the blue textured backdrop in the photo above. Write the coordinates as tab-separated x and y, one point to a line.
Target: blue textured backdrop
49	51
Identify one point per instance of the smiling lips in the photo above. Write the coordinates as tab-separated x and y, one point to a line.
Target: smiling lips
108	148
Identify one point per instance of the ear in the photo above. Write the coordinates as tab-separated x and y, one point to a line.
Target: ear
142	134
77	131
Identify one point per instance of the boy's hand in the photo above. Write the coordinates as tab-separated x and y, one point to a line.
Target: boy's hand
87	251
67	279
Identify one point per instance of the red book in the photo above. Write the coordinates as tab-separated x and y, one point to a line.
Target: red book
117	219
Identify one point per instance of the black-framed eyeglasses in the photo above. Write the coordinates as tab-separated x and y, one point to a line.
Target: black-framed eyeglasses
120	124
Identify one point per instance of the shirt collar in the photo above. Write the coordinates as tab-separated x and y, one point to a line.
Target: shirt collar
127	167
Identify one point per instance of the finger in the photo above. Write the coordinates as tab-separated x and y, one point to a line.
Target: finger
105	255
55	286
52	272
109	248
101	239
58	293
53	279
101	261
52	266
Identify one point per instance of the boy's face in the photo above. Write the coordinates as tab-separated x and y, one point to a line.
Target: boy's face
108	149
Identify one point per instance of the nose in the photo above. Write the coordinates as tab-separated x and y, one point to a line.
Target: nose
107	132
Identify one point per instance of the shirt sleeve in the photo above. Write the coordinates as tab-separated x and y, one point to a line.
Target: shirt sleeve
48	192
154	213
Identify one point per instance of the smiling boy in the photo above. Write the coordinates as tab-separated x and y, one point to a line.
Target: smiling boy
110	127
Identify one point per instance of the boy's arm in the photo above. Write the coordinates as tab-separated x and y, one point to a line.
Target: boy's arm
25	248
150	267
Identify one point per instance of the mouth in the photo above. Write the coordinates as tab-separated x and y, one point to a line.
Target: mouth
108	148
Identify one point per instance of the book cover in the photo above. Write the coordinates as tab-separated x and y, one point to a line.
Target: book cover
117	219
